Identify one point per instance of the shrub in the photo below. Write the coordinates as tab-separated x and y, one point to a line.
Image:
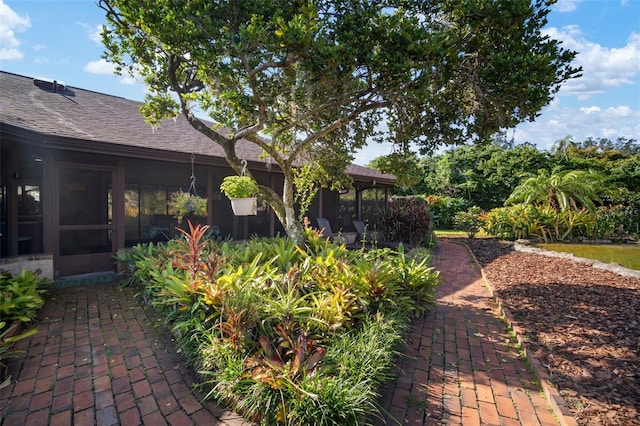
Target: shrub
621	220
542	222
287	335
517	221
444	208
470	221
22	296
407	219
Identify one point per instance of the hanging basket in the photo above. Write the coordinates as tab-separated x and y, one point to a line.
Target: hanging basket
244	206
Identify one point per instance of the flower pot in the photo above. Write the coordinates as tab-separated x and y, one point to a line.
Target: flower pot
244	206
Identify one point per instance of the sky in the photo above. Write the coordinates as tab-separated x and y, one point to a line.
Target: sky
60	39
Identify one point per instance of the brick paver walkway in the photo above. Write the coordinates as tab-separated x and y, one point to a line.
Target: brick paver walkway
101	359
461	367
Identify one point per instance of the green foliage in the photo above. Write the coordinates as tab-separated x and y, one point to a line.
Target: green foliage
562	190
139	262
239	186
325	172
514	222
541	222
597	174
480	175
404	165
21	298
8	338
317	78
22	295
621	220
444	208
184	203
557	206
272	327
470	221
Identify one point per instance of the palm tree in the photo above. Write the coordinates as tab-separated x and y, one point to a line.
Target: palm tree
561	146
562	190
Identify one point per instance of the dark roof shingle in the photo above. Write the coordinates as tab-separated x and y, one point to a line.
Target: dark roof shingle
90	116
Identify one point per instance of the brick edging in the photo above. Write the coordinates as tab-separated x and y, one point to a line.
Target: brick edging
558	404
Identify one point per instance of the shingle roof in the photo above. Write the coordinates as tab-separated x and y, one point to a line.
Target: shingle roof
81	115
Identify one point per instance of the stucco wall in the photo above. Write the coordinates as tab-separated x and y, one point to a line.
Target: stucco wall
42	263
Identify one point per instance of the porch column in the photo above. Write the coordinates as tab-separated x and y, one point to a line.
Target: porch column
118	204
358	204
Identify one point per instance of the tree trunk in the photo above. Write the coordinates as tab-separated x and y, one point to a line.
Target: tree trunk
292	225
283	207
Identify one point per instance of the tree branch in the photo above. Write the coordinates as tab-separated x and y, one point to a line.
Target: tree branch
324	107
335	125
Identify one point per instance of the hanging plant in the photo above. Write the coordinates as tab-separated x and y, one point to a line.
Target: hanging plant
239	187
182	203
242	191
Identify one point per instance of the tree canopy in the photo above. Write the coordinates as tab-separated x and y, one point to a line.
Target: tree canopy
312	80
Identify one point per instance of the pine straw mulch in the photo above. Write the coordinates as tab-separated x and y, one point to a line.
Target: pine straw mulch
581	323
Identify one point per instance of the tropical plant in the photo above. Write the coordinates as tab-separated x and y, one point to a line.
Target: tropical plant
517	221
407	219
318	77
22	295
470	221
562	190
184	203
258	320
239	187
20	299
8	338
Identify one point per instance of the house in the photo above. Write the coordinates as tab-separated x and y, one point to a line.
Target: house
82	176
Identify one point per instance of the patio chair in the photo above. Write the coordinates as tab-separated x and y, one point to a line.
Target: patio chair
375	238
325	230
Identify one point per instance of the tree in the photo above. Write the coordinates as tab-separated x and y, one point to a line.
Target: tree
562	190
407	162
310	81
502	172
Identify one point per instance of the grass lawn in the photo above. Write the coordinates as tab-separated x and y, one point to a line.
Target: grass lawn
449	233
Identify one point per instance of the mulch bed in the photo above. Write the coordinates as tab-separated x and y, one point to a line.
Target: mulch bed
581	323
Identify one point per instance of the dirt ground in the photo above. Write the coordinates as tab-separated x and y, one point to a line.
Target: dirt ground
582	323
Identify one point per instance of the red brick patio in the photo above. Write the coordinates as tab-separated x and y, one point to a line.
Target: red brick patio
101	359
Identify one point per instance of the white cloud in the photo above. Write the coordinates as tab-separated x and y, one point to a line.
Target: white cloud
10	23
619	111
589	110
10	54
100	67
126	79
96	34
93	32
372	151
589	121
603	67
564	6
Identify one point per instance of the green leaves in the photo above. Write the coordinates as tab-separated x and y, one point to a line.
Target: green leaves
20	299
287	336
319	77
21	296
